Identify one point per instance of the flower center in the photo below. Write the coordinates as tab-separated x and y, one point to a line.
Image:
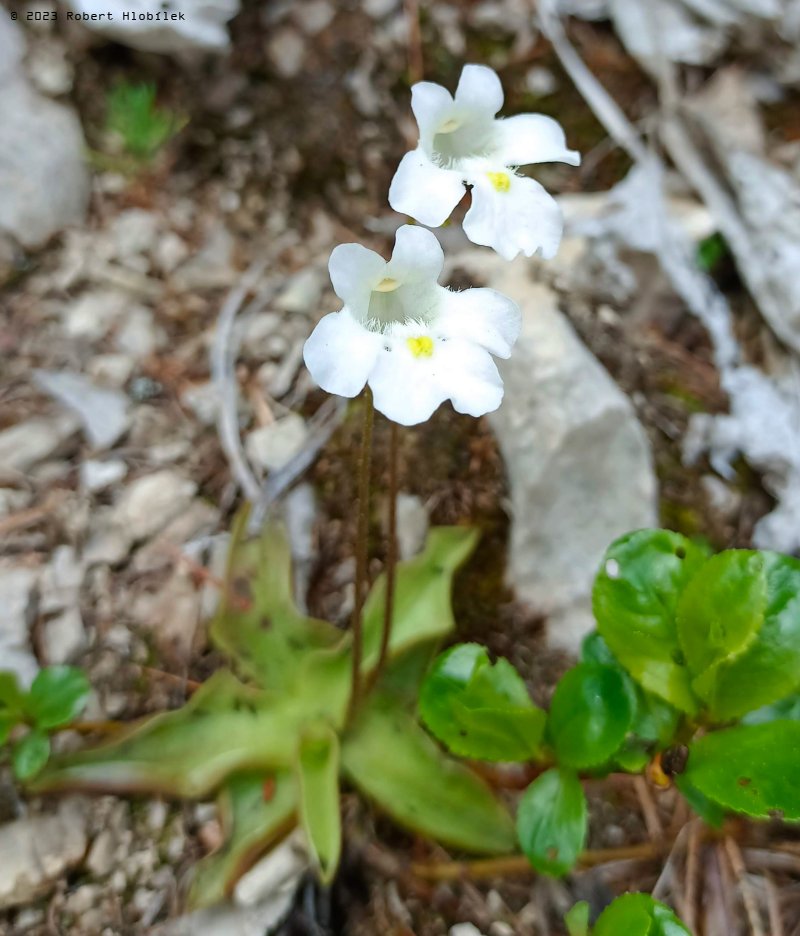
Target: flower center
501	181
465	136
387	284
421	346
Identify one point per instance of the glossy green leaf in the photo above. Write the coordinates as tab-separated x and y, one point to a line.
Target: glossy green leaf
318	777
7	722
739	625
57	696
577	920
710	812
552	822
422	605
478	709
391	759
11	696
226	727
258	624
30	754
750	769
635	598
638	915
256	810
722	608
592	709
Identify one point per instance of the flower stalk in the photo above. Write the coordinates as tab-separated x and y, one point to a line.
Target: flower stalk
391	550
362	544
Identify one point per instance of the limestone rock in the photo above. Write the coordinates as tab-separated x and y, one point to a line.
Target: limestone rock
578	461
44	181
36	851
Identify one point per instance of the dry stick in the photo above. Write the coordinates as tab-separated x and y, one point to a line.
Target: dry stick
416	65
692	875
654	828
223	354
748	897
519	864
391	553
774	908
362	544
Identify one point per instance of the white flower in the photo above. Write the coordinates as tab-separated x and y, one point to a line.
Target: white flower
462	142
413	341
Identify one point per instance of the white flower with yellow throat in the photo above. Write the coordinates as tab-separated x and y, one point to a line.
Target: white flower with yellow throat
463	142
414	342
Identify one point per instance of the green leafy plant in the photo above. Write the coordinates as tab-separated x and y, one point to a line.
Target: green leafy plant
142	126
629	915
277	739
57	697
693	652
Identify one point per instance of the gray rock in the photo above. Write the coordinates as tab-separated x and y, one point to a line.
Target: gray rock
28	443
36	851
98	475
17	596
274	445
93	314
412	525
578	461
286	50
44	181
103	413
12	49
149	503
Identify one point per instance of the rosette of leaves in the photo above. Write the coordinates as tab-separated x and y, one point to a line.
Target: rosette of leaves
273	736
628	915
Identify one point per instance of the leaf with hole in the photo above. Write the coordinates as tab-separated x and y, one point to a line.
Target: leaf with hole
638	915
480	709
592	710
750	769
552	822
739	626
318	784
391	759
635	599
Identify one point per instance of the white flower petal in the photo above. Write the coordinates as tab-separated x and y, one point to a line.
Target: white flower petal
417	256
424	191
432	106
340	353
469	377
483	316
354	271
479	89
405	388
511	213
532	138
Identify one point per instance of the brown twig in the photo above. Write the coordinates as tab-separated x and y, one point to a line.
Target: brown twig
416	65
691	887
391	551
654	828
774	908
734	854
362	546
519	864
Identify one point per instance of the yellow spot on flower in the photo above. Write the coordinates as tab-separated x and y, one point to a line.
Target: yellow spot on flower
500	180
420	347
387	284
450	125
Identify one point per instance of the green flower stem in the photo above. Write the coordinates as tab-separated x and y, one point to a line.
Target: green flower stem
362	543
391	552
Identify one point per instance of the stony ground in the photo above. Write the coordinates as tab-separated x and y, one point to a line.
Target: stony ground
288	149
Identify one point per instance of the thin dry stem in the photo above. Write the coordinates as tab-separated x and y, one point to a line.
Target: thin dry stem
654	828
692	888
736	860
391	551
